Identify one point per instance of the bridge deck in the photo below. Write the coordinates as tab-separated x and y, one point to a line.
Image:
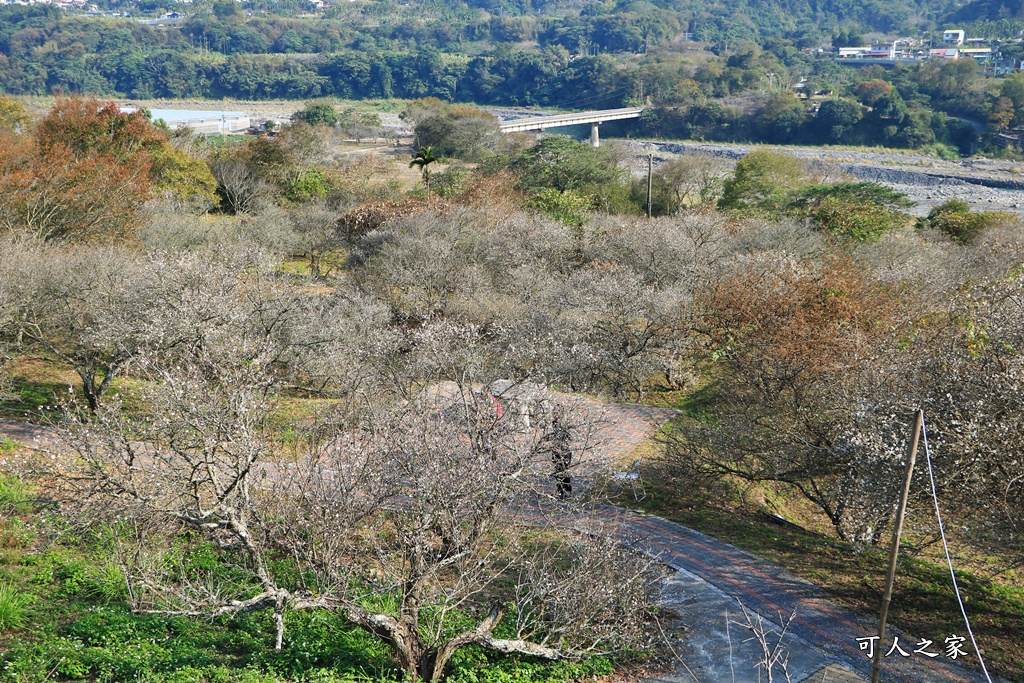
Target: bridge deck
574	119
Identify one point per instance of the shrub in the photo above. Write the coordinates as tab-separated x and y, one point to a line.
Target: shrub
862	211
762	180
317	115
862	222
451	183
13	116
569	207
955	219
311	183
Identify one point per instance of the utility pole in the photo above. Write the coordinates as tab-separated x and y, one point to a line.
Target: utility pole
650	177
900	512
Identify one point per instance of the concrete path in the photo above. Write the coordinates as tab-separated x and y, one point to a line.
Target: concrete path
712	579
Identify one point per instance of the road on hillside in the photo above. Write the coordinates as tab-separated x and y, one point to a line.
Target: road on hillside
759	586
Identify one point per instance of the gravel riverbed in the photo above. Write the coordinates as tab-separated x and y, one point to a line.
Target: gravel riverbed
986	184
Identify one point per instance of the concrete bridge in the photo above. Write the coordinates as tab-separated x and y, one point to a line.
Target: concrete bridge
594	118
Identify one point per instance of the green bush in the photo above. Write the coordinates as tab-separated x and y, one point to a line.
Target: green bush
862	211
317	115
861	222
451	183
569	206
955	219
763	181
311	183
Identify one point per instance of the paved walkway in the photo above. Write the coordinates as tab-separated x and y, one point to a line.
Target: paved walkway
713	577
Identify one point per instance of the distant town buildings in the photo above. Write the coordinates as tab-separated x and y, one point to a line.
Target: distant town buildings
955	45
876	51
65	4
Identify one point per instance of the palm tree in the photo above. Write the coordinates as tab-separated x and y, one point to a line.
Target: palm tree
424	158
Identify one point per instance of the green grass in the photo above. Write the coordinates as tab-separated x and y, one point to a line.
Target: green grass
13	602
33	398
64	617
15	495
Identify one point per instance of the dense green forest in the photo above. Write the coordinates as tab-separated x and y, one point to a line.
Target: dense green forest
742	74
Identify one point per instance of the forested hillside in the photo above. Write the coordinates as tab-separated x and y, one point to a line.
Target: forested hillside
550	53
737	73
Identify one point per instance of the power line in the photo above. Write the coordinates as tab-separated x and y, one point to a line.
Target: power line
945	547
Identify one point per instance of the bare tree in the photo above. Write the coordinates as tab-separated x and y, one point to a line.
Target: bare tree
590	325
8	314
456	533
805	366
410	513
243	189
318	233
969	379
197	464
95	309
694	180
774	656
82	306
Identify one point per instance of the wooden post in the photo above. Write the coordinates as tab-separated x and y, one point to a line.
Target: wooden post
650	176
894	552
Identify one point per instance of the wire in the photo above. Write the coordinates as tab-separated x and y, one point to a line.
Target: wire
945	546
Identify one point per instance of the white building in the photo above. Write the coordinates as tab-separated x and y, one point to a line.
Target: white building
208	122
953	37
878	51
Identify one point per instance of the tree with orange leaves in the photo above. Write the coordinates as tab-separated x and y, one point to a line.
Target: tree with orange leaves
83	174
803	355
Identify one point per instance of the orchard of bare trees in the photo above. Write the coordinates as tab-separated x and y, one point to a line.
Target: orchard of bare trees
290	406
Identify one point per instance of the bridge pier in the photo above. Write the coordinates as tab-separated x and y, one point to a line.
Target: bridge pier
595	139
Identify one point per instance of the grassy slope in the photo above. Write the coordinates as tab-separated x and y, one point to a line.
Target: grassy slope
64	613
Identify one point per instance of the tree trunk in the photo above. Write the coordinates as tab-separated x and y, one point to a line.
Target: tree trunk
92	398
279	608
314	264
